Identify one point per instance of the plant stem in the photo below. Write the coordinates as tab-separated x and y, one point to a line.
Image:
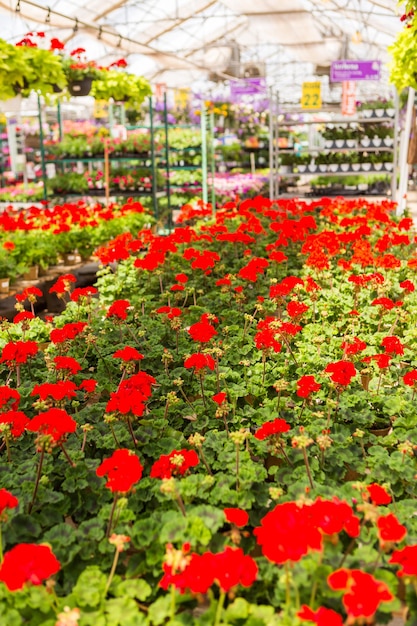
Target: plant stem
67	456
287	588
38	477
315	584
307	464
203	458
112	571
237	468
132	434
110	523
219	610
180	501
114	435
202	392
7	442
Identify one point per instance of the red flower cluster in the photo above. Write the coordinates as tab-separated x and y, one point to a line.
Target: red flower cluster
390	530
321	617
28	563
220	397
16	420
253	269
407	559
6	395
170	311
307	385
7	501
290	530
353	347
410	378
67	363
58	391
128	354
275	427
228	569
236	516
392	345
202	331
123	469
56	423
18	352
363	592
295	309
199	361
118	309
265	337
68	332
131	395
176	463
63	284
341	372
378	494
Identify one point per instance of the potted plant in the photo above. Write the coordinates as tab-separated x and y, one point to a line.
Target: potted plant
121	86
12	70
80	72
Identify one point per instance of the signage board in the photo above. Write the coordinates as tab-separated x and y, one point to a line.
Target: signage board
354	70
311	95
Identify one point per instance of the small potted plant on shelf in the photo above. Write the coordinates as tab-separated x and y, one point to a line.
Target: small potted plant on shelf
80	73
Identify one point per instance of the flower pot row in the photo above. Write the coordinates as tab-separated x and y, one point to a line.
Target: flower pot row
377	113
365	142
339	167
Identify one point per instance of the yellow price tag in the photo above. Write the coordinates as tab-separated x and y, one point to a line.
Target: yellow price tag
311	95
101	109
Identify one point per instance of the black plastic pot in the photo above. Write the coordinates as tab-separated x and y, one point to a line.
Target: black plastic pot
80	87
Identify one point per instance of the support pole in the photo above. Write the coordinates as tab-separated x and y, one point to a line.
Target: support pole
395	147
271	147
107	175
212	165
277	145
167	159
402	164
43	165
59	115
204	151
153	162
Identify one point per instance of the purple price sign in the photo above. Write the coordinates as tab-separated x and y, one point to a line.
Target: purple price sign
355	70
247	87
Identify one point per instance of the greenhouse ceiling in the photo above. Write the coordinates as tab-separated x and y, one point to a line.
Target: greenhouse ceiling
179	42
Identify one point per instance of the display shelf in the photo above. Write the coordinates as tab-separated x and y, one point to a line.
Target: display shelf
337	122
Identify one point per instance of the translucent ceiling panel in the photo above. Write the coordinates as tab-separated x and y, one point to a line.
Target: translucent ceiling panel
252	7
285	28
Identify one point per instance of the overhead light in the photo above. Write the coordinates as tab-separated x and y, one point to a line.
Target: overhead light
17	9
48	16
100	32
357	37
75	29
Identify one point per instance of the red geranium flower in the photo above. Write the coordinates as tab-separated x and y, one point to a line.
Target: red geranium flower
83	292
287	534
407	558
232	567
67	332
410	378
386	303
128	354
306	386
7	501
181	278
63	284
131	395
58	391
219	398
16	420
176	463
353	347
382	360
56	423
7	394
170	311
378	494
18	352
333	516
341	372
202	332
236	516
23	316
118	309
364	593
123	470
392	345
28	563
199	361
88	385
296	309
30	293
389	529
321	617
407	285
67	363
275	427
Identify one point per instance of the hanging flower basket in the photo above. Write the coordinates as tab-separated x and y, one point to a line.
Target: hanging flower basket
80	87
